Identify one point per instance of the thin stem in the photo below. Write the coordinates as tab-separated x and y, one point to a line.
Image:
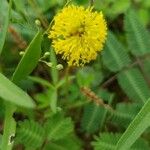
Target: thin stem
67	2
109	81
54	75
39	13
91	2
135	63
54	71
77	105
67	82
9	127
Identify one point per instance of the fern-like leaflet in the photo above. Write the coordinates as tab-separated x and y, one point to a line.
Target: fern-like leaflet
108	141
58	127
115	56
133	84
30	134
124	114
138	37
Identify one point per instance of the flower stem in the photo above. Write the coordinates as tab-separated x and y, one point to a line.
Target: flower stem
91	2
54	75
9	127
54	71
67	82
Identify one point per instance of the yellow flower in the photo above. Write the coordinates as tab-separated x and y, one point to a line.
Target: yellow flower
78	34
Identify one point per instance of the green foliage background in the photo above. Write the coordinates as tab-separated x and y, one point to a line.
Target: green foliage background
50	109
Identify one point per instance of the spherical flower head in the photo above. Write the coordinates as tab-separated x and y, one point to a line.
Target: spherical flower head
78	34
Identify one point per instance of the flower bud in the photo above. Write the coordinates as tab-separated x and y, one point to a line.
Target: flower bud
49	64
46	54
37	22
21	53
59	67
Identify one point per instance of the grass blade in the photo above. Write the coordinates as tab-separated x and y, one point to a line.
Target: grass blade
10	92
136	128
29	60
6	9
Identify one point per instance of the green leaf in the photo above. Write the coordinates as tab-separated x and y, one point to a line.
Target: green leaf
138	37
68	143
63	81
41	81
20	6
143	16
10	92
108	141
29	60
136	128
112	8
119	7
115	56
30	134
47	4
85	76
5	10
92	118
146	66
125	113
0	141
2	109
108	97
133	84
42	99
58	127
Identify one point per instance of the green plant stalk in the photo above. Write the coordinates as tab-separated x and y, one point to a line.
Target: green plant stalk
91	2
9	127
67	82
9	123
54	75
54	71
38	11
